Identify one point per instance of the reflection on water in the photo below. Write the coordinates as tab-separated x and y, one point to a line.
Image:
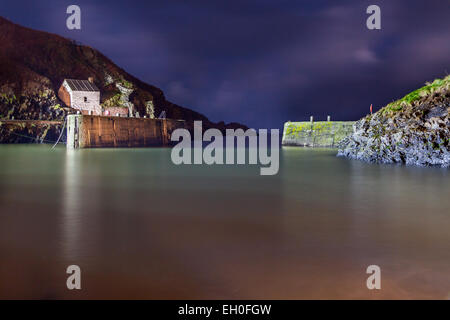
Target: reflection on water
140	227
72	201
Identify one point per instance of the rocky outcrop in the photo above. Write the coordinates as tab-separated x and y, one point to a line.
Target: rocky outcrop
33	64
414	130
40	105
150	109
25	131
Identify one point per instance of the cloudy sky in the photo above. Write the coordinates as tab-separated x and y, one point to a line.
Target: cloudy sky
262	62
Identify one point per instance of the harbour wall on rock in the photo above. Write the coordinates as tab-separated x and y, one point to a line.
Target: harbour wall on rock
316	133
89	131
30	131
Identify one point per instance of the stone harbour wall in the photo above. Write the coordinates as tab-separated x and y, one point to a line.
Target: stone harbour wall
87	131
316	134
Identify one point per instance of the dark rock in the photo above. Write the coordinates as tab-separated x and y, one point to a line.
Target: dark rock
436	112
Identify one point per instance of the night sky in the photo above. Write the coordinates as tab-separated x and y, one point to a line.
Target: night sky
262	62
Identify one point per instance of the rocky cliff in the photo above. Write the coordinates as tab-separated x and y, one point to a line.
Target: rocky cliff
30	131
33	65
414	130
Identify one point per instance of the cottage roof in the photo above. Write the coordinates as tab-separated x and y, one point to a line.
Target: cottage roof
81	85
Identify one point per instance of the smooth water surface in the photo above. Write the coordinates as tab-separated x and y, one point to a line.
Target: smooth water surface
141	227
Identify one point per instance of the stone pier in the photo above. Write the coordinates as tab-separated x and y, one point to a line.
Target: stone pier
88	131
316	134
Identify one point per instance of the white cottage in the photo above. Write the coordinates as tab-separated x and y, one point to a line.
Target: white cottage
82	95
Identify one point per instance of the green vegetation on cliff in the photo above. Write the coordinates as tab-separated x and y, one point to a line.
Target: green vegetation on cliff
430	88
412	130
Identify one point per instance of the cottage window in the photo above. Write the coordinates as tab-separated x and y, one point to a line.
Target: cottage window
85	99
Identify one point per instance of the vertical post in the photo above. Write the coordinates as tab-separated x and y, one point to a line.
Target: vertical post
332	131
73	131
164	133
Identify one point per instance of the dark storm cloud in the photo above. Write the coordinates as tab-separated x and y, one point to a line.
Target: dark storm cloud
263	62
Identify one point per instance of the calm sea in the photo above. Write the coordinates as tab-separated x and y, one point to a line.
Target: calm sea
140	227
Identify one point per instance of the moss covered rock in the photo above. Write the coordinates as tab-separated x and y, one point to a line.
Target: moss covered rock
413	130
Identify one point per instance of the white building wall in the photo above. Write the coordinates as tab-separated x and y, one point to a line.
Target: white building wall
92	101
77	100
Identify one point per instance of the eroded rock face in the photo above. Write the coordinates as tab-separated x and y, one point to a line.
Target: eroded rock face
150	109
418	134
42	105
39	131
125	97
